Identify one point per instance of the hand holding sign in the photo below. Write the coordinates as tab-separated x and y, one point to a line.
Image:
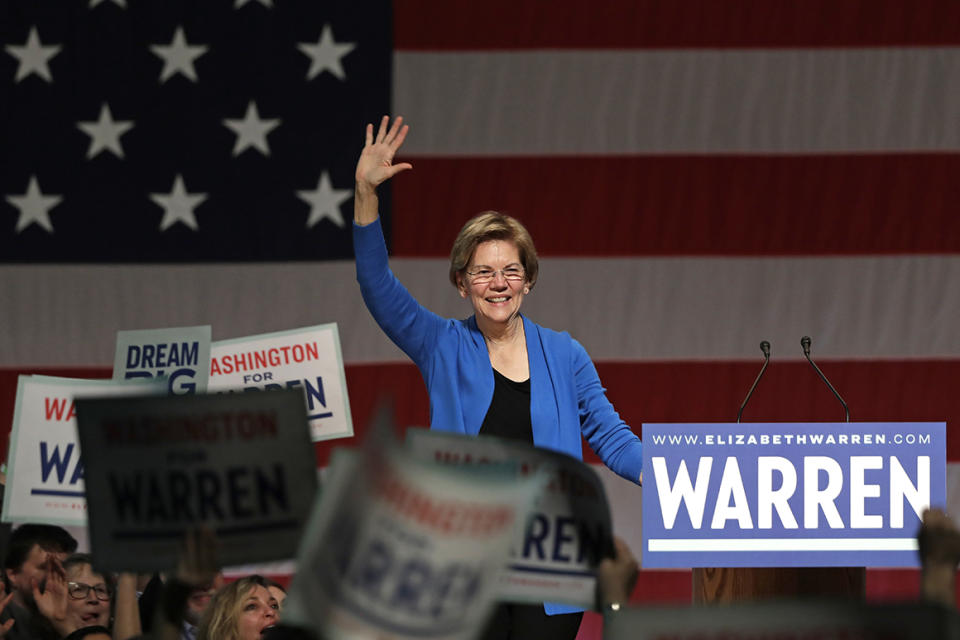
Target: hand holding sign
197	565
939	542
616	576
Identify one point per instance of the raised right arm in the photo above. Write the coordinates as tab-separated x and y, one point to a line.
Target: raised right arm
408	324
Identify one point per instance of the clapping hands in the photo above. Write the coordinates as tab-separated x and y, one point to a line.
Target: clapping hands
52	600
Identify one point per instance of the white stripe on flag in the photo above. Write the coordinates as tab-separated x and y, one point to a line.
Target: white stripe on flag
679	101
652	309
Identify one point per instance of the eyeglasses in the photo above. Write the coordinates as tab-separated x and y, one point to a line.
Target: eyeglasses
483	275
79	591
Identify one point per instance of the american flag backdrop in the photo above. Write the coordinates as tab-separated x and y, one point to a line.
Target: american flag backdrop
699	175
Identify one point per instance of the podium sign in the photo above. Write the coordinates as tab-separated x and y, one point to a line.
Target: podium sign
789	494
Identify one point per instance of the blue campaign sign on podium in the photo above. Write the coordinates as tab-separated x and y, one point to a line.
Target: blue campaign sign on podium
789	494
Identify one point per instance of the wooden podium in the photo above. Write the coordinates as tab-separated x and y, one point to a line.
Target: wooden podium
748	584
722	585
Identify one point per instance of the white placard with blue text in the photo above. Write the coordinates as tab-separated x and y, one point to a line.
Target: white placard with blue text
45	477
242	465
181	355
309	359
554	558
399	549
789	494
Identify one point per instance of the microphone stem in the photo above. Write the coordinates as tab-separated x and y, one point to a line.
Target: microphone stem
766	361
827	382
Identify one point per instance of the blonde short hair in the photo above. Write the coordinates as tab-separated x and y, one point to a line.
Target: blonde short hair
491	225
220	621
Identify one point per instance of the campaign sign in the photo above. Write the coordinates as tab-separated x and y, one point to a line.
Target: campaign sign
555	557
242	465
789	494
45	475
181	355
307	359
798	620
398	548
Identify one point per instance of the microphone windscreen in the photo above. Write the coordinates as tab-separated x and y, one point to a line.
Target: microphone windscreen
765	348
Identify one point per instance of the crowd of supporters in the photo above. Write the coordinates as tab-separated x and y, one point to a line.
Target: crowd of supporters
54	593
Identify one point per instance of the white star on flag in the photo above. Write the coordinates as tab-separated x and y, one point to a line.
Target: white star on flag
34	207
325	201
33	57
251	131
120	3
178	56
267	3
178	205
326	54
105	133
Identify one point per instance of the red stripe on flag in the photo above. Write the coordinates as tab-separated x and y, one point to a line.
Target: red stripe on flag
693	205
897	390
875	391
505	24
674	587
921	390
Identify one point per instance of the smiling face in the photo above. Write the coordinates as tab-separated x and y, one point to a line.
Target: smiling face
258	610
88	610
496	303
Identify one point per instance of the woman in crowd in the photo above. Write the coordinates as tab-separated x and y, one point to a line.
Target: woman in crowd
496	372
278	591
89	594
242	610
76	596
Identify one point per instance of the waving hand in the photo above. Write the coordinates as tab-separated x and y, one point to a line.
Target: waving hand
376	161
376	166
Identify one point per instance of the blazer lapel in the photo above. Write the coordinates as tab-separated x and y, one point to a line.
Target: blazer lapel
544	411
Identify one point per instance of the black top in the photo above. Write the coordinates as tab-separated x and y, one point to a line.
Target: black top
509	412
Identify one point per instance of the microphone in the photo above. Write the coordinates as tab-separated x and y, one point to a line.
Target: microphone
805	343
765	348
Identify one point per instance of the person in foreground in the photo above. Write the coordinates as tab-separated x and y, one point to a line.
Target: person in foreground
495	372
